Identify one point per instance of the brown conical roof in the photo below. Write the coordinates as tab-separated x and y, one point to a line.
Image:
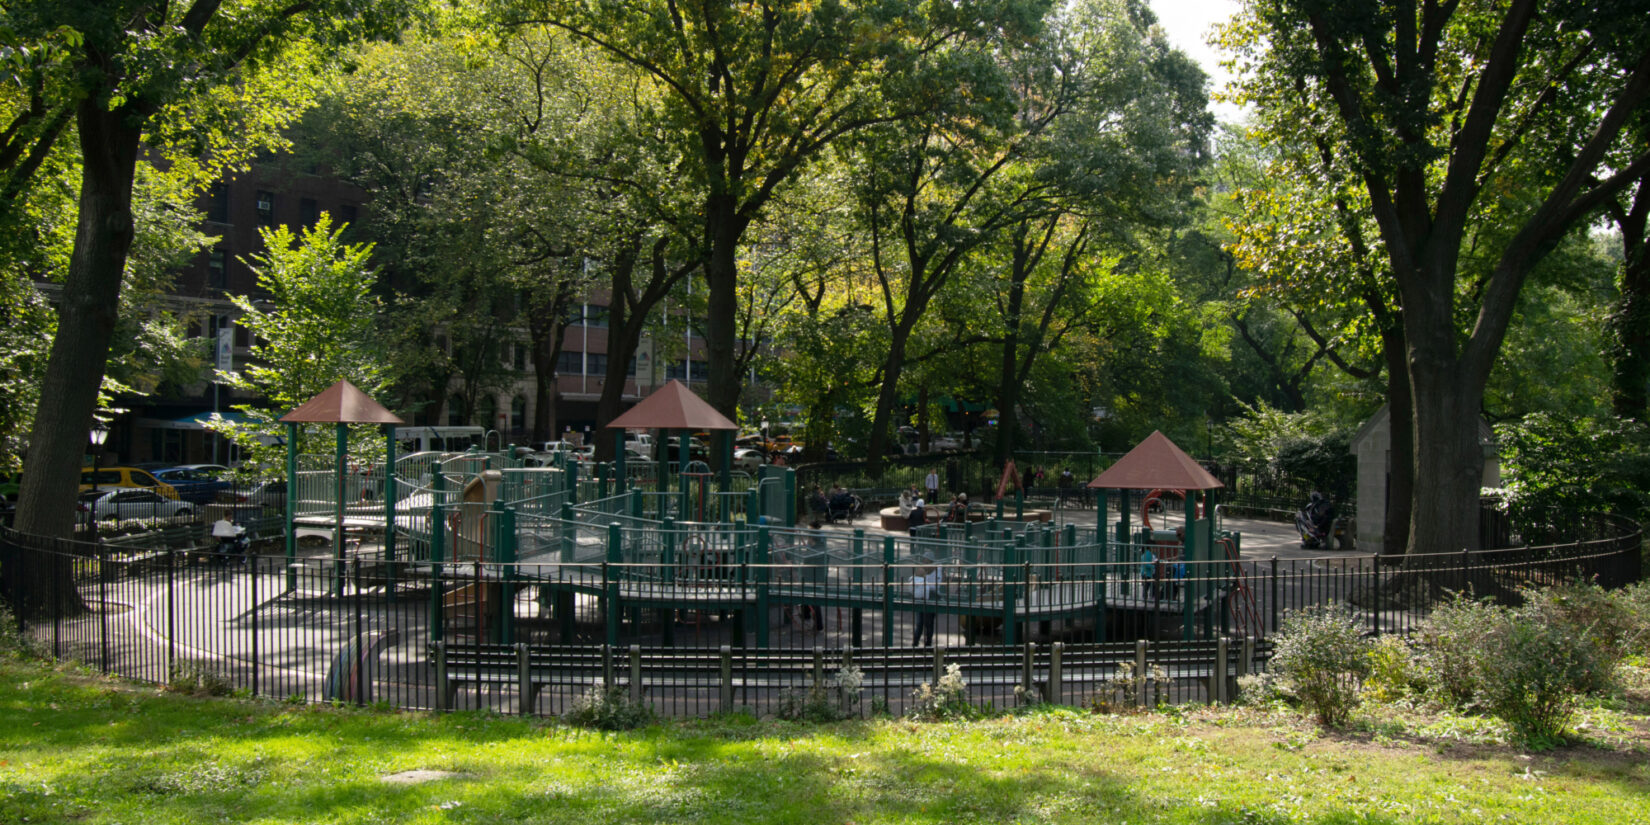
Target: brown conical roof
672	407
341	403
1156	464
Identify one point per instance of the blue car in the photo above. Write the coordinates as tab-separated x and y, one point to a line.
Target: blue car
198	486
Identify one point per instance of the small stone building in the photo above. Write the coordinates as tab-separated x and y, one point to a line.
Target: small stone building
1373	446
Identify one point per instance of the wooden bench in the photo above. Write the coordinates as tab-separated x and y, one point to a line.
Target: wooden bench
146	548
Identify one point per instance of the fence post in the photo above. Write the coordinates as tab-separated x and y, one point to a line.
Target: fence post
636	673
819	666
443	693
607	668
1011	568
438	549
1273	628
1222	661
887	591
525	698
103	604
505	519
859	582
171	610
360	642
610	583
939	663
764	551
1140	672
256	658
1028	661
727	679
1056	675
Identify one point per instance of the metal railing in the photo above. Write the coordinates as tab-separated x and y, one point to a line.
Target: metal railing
696	618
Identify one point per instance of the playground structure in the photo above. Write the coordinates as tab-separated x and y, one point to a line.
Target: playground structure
642	544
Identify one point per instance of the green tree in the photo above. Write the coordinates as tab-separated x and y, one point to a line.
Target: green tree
139	68
317	328
1439	106
751	95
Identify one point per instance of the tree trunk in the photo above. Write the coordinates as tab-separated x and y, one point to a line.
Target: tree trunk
1448	463
723	227
1630	323
80	350
886	396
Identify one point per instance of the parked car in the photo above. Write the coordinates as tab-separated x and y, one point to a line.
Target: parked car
749	459
631	455
193	485
269	494
124	477
697	451
945	443
128	503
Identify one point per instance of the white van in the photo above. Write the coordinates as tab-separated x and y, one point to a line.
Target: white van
439	439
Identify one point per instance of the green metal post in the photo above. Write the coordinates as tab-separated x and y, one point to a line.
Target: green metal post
619	461
438	554
683	456
1188	555
764	548
291	506
637	503
887	591
668	570
615	555
1010	574
859	586
505	522
569	533
391	491
340	475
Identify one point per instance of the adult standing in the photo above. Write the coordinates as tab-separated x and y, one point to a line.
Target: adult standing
932	484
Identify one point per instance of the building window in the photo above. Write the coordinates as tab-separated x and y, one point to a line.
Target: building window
308	212
595	315
521	358
265	205
346	214
571	362
679	371
455	411
217	203
217	268
518	414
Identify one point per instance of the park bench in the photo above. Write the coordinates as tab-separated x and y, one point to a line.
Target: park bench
136	552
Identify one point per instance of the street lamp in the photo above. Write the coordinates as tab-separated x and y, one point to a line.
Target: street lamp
99	434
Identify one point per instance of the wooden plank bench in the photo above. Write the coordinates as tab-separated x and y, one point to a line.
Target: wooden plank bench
149	547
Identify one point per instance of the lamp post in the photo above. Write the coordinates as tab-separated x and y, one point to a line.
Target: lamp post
98	434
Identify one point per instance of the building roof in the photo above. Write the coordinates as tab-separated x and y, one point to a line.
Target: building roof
341	403
672	407
1156	464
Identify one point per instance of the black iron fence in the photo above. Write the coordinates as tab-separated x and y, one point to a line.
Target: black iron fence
705	636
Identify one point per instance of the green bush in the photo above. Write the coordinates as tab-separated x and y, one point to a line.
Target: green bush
1590	616
1530	673
610	709
1446	646
1635	609
14	643
1323	659
195	678
1395	673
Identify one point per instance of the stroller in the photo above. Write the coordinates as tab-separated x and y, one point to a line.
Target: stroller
1316	523
843	506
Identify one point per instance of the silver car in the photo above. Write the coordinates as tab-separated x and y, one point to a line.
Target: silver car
127	503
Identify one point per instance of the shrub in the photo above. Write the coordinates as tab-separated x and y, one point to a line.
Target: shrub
945	701
1589	616
195	678
1528	673
1394	672
1635	609
13	641
834	700
1323	659
610	709
1446	647
1121	693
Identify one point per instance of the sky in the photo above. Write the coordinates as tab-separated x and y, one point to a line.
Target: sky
1188	24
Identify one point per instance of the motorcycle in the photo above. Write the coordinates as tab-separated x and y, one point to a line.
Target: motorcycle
1316	524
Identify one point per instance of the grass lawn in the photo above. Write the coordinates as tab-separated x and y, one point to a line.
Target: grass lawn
75	748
